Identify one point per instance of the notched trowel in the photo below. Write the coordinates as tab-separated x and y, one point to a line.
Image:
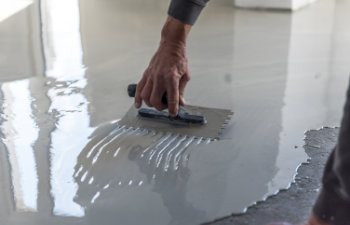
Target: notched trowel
197	121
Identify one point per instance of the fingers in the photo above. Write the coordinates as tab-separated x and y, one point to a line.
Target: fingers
151	91
143	90
139	88
173	97
156	96
146	92
183	82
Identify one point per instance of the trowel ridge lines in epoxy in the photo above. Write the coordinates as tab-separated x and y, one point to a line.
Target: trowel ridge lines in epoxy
170	153
159	144
166	149
83	177
162	151
95	146
78	171
95	197
117	131
104	145
116	139
91	180
151	146
116	152
199	140
180	153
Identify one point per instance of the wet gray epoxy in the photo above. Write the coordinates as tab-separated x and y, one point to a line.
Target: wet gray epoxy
142	161
267	67
216	120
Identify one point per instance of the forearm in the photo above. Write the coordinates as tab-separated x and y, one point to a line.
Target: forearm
174	33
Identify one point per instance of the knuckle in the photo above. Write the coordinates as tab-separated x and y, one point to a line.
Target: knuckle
174	79
171	78
146	72
167	79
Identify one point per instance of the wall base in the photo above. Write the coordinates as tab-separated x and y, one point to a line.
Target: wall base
273	4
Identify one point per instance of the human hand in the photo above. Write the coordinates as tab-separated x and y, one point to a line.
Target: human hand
168	70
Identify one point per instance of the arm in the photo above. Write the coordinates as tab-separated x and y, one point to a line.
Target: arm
168	69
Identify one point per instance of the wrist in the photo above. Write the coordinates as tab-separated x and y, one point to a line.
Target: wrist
175	32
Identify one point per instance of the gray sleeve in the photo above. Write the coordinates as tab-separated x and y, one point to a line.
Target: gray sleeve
333	203
186	11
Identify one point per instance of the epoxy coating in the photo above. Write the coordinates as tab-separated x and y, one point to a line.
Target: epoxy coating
64	69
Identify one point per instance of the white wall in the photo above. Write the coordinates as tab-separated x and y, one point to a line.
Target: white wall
273	4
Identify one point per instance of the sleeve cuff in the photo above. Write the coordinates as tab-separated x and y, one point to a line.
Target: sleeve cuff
186	11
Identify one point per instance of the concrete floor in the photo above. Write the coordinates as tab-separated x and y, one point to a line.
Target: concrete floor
64	69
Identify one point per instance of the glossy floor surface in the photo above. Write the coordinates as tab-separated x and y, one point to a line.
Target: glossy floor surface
64	69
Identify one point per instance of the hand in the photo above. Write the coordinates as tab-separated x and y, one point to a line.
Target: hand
168	70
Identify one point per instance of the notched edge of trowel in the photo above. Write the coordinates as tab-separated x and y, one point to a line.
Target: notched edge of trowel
225	123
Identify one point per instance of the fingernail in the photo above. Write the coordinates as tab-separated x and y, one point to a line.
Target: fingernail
137	104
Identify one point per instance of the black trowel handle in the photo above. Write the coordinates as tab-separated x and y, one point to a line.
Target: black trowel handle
132	91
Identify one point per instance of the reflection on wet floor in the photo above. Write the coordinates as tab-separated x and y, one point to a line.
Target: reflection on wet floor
64	64
20	132
64	162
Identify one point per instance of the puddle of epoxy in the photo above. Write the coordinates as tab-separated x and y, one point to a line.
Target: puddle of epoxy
254	60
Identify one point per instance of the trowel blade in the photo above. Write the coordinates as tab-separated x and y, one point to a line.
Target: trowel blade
216	121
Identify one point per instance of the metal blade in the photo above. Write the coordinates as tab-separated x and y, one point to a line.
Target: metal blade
216	121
